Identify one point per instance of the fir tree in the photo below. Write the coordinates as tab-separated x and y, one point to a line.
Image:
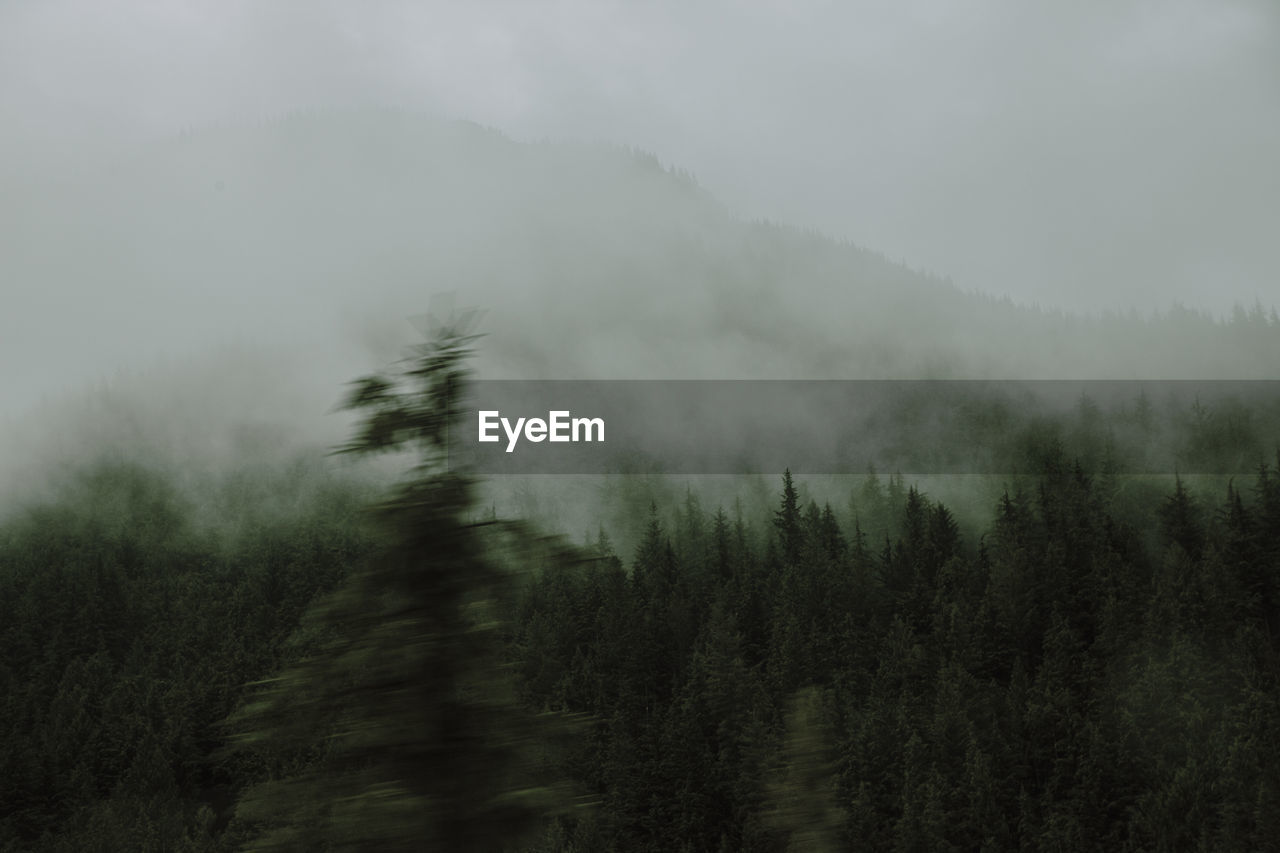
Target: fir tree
421	745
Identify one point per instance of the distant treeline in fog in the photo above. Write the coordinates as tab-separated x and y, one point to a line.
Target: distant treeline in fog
593	262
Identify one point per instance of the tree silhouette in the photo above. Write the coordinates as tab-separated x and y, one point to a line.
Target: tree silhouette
423	746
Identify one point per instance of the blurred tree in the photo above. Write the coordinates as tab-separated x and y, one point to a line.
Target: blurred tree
423	746
802	802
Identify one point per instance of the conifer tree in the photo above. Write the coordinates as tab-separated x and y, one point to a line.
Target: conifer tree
1179	521
787	521
420	745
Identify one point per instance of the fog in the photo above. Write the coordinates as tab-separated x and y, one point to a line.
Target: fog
1082	155
218	630
266	192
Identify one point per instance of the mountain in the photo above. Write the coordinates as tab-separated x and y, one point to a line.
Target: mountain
228	282
322	233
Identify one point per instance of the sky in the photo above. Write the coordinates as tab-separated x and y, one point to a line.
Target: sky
1085	155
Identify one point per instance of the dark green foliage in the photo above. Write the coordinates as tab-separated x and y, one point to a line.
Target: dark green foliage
788	524
1055	686
421	744
802	796
130	620
1090	662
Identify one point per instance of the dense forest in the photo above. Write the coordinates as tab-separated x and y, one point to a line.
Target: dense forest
291	657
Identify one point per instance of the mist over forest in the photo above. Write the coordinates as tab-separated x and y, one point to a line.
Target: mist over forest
305	244
245	605
329	230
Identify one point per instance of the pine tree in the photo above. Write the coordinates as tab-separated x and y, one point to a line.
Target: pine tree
832	539
421	745
787	522
722	545
1179	521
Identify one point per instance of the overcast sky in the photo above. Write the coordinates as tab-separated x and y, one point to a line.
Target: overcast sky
1082	154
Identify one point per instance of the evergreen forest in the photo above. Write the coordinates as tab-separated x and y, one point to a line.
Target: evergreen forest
304	656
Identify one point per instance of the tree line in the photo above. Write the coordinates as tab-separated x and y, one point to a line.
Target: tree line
392	670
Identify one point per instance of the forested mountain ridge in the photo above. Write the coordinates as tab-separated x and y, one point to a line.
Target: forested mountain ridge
872	674
333	227
198	616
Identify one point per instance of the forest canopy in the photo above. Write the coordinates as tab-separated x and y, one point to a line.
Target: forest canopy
343	665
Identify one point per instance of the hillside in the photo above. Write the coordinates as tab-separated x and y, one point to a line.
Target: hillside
320	234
